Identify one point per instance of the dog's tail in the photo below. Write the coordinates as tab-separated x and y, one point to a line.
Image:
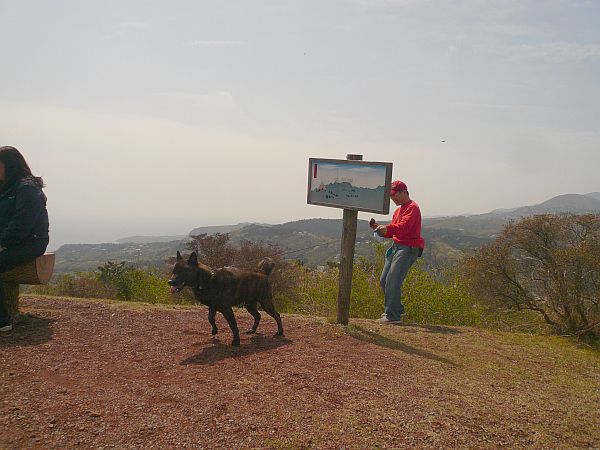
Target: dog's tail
266	265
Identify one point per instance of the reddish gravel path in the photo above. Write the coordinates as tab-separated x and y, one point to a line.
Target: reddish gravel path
92	374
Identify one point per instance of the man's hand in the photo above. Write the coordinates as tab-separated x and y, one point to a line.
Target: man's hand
381	230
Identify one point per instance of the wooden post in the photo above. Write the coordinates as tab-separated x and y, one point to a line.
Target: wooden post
347	259
36	271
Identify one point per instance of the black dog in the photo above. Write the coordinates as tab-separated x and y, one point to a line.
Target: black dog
223	288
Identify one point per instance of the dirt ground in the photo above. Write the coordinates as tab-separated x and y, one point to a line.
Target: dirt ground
100	374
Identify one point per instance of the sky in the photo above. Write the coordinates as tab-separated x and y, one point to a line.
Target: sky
152	118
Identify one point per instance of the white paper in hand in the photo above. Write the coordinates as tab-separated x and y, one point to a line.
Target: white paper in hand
377	238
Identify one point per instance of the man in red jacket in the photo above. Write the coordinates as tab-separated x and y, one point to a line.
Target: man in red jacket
408	245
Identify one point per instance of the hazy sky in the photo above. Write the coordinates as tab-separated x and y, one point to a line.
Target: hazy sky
149	117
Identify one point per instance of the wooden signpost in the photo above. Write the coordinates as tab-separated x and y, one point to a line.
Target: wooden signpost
364	186
349	221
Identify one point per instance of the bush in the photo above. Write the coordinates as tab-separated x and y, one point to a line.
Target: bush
428	298
79	284
135	284
439	299
217	251
549	264
316	293
115	281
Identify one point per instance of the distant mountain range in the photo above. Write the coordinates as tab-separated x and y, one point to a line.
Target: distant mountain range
595	195
150	239
567	203
195	232
316	241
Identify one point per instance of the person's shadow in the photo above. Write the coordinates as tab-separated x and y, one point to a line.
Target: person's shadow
372	337
218	351
28	329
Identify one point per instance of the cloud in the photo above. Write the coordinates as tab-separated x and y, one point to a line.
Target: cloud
498	106
387	3
560	51
133	25
554	52
515	30
121	29
214	100
215	43
219	100
135	168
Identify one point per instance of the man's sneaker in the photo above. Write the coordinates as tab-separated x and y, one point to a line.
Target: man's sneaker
5	326
387	321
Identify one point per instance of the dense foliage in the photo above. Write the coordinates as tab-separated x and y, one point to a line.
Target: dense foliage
428	298
116	281
431	296
549	264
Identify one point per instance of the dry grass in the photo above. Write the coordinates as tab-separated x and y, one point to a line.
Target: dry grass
99	373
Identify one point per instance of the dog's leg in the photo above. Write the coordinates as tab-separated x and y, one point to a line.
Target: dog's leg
251	308
211	318
267	304
228	313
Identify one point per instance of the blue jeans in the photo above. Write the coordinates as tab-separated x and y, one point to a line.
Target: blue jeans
398	260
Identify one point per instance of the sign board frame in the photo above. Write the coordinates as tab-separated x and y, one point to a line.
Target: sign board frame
350	165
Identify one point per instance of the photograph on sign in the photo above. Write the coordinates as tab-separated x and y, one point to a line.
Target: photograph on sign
356	185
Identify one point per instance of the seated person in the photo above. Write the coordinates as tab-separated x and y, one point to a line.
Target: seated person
23	219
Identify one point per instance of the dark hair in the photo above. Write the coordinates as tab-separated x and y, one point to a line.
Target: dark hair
16	168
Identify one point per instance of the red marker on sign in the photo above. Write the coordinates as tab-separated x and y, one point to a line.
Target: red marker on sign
315	172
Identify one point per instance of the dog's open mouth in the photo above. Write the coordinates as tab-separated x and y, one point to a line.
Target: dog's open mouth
175	289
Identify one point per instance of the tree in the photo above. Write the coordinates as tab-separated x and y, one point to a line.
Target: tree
214	251
546	263
217	251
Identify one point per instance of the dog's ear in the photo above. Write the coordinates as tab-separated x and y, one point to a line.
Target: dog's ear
193	260
179	257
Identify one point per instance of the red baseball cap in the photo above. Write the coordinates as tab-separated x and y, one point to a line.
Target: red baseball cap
398	186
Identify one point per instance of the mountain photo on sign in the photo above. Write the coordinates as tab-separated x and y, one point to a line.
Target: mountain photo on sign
356	185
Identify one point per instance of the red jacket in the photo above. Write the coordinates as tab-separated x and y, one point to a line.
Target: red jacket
406	226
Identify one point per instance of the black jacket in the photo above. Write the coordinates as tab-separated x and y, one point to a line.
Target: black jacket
23	214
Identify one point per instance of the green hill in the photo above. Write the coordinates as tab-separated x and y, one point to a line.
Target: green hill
316	241
312	241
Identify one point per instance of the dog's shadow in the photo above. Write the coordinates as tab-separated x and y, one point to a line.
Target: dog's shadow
218	350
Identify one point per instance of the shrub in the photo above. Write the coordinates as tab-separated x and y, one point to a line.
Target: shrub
115	281
549	264
217	251
428	298
316	293
79	284
439	299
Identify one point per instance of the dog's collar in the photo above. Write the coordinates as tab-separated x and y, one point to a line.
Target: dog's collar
198	285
